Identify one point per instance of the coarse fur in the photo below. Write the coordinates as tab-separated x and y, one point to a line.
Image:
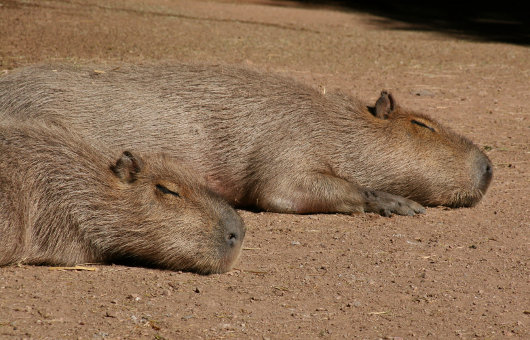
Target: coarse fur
262	140
63	202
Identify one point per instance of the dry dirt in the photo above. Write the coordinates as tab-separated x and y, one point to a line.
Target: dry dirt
451	273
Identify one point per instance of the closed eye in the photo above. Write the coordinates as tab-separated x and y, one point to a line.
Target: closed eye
421	124
165	190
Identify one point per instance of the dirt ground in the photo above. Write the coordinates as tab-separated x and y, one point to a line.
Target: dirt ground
450	273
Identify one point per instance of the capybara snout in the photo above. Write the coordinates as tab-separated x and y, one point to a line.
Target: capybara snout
234	230
481	176
231	238
63	201
484	173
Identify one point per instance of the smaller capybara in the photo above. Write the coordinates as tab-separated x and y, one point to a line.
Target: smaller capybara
262	140
62	202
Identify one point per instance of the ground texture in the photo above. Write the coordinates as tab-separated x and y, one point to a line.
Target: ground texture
446	274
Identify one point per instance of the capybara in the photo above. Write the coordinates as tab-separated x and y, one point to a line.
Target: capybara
260	140
63	202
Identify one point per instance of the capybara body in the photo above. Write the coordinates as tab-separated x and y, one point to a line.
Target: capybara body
262	140
63	202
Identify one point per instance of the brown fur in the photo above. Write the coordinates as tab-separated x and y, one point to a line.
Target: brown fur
262	140
62	202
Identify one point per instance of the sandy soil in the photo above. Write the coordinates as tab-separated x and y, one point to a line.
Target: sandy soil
447	274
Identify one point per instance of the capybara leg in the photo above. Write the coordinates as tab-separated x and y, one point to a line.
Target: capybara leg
322	193
387	204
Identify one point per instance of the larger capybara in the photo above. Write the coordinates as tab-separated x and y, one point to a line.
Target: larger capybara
262	140
62	202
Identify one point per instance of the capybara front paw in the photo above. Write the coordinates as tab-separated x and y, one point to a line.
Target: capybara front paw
387	204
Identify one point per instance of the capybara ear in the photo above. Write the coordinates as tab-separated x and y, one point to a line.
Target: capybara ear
385	105
127	167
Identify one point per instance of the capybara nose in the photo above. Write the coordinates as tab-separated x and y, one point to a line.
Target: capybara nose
232	239
485	169
234	230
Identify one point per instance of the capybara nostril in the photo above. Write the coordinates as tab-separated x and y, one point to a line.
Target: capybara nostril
232	239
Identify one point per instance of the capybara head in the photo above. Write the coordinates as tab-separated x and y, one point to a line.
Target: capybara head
197	229
429	163
65	201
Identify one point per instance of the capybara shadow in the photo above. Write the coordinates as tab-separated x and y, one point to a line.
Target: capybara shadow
64	201
262	140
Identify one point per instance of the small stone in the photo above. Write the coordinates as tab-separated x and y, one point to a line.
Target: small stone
422	93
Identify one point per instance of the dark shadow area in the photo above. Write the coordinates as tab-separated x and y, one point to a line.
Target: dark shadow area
507	21
498	21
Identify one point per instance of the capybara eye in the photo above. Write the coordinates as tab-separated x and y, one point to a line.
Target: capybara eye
421	124
165	190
